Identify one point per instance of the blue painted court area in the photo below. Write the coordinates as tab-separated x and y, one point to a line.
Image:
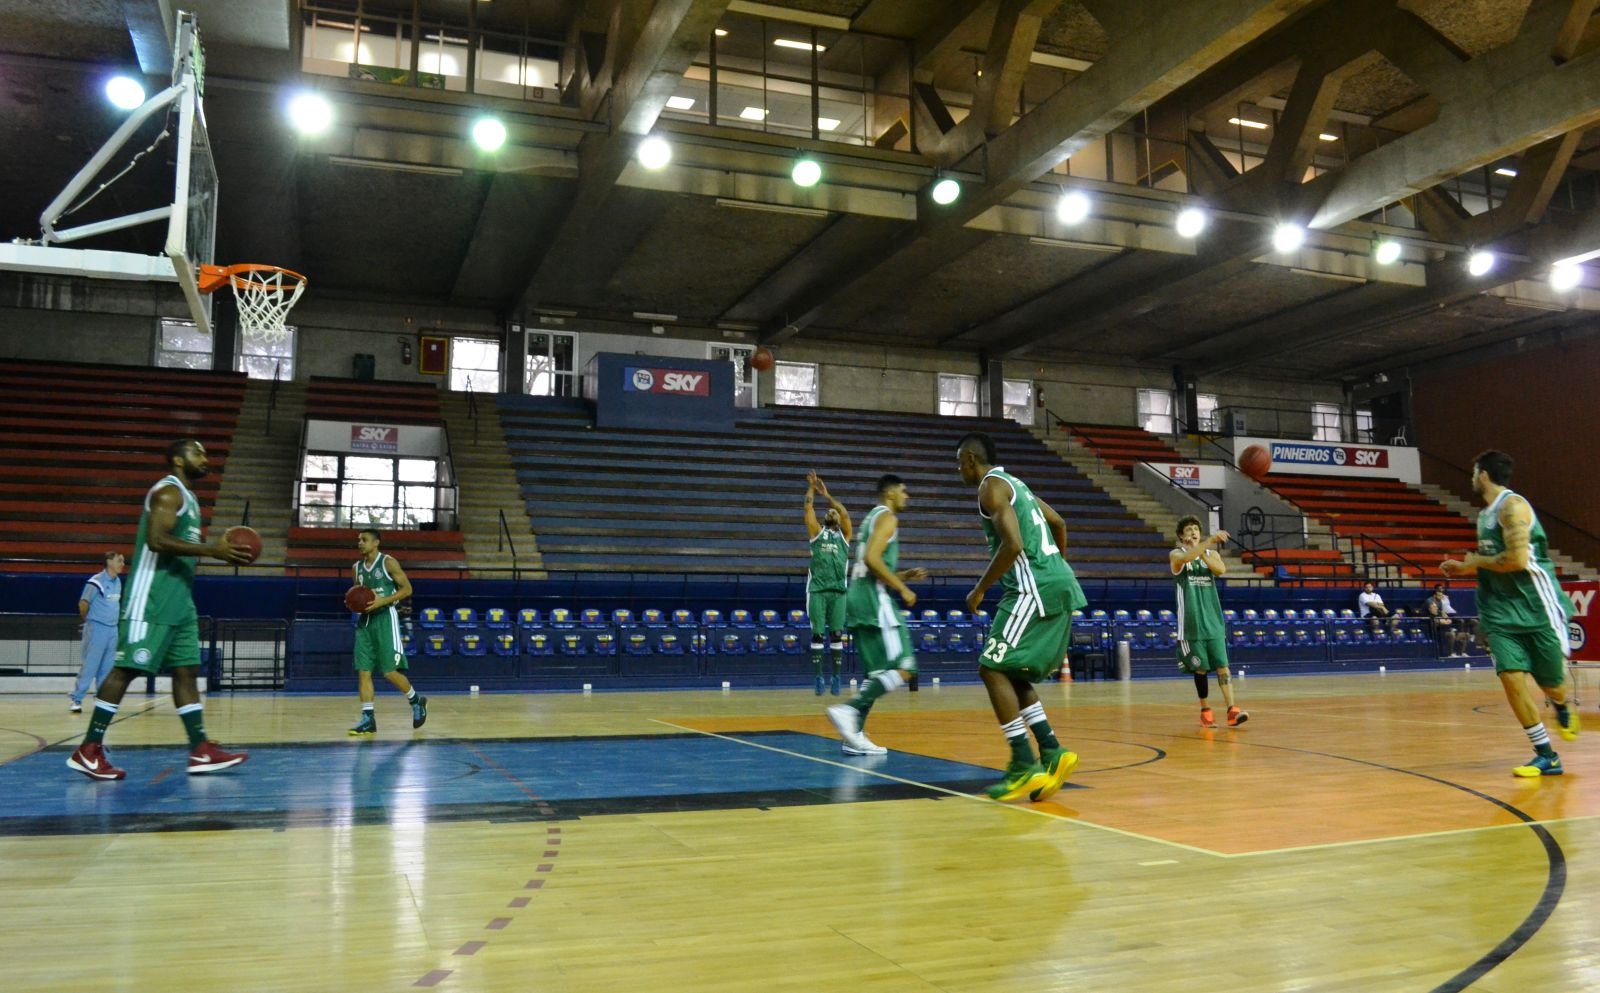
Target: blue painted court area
376	782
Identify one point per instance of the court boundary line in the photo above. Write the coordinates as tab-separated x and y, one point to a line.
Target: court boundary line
944	790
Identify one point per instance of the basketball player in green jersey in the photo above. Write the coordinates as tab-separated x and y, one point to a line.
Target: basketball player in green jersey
1522	610
1029	636
1202	633
159	629
882	642
825	587
379	644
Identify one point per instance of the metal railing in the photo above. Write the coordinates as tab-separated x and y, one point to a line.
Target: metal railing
272	394
503	539
1367	553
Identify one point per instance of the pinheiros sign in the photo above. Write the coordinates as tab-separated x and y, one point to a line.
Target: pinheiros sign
677	382
1317	458
374	438
1298	453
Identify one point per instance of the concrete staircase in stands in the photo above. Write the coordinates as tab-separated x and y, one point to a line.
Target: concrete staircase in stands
1567	565
261	471
1122	489
488	485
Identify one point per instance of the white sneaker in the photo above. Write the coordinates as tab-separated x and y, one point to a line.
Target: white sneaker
74	706
846	720
862	745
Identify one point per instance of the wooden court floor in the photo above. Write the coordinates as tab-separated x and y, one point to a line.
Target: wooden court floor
1360	833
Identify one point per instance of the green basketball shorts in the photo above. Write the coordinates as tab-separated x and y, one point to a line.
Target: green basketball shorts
154	648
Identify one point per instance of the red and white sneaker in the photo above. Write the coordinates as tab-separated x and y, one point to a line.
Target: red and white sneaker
1237	717
91	759
1207	718
207	757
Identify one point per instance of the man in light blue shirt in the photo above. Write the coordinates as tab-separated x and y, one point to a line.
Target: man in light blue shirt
99	608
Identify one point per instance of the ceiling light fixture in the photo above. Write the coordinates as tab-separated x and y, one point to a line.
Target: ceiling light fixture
654	152
1288	237
945	192
806	171
1325	136
1480	262
680	103
1565	276
1244	122
753	114
1507	172
489	134
826	124
310	113
721	32
124	92
798	45
1385	251
1190	222
1072	208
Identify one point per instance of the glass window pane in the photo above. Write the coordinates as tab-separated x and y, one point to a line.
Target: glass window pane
321	467
359	467
958	395
1155	411
795	384
1207	411
1325	419
418	470
1018	396
183	336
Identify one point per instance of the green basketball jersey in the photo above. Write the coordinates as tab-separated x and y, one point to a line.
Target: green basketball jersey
1529	600
377	579
160	588
1040	573
868	601
1199	610
829	553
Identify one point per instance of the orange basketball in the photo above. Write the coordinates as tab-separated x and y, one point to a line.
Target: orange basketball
359	598
1255	462
762	359
244	537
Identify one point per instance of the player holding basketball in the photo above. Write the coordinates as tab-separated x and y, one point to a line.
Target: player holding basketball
1522	610
882	641
159	631
379	644
1202	634
1032	625
825	586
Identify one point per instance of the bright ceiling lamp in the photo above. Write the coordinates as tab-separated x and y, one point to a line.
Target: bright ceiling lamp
806	171
1190	222
488	134
654	152
945	192
310	113
1288	237
1480	262
1386	251
1565	276
124	92
1072	208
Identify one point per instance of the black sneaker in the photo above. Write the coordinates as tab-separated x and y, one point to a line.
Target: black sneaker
368	725
419	711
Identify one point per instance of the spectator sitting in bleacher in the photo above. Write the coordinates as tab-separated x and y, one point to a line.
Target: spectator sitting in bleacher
1372	606
1453	636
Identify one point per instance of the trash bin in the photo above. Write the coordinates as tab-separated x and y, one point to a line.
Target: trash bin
1124	660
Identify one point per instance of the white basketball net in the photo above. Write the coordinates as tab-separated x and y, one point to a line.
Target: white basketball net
265	297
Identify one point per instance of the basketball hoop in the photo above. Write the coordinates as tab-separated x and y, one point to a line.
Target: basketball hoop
264	293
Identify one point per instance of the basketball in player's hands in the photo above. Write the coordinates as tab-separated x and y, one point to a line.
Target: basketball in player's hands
762	359
359	598
241	536
1255	462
